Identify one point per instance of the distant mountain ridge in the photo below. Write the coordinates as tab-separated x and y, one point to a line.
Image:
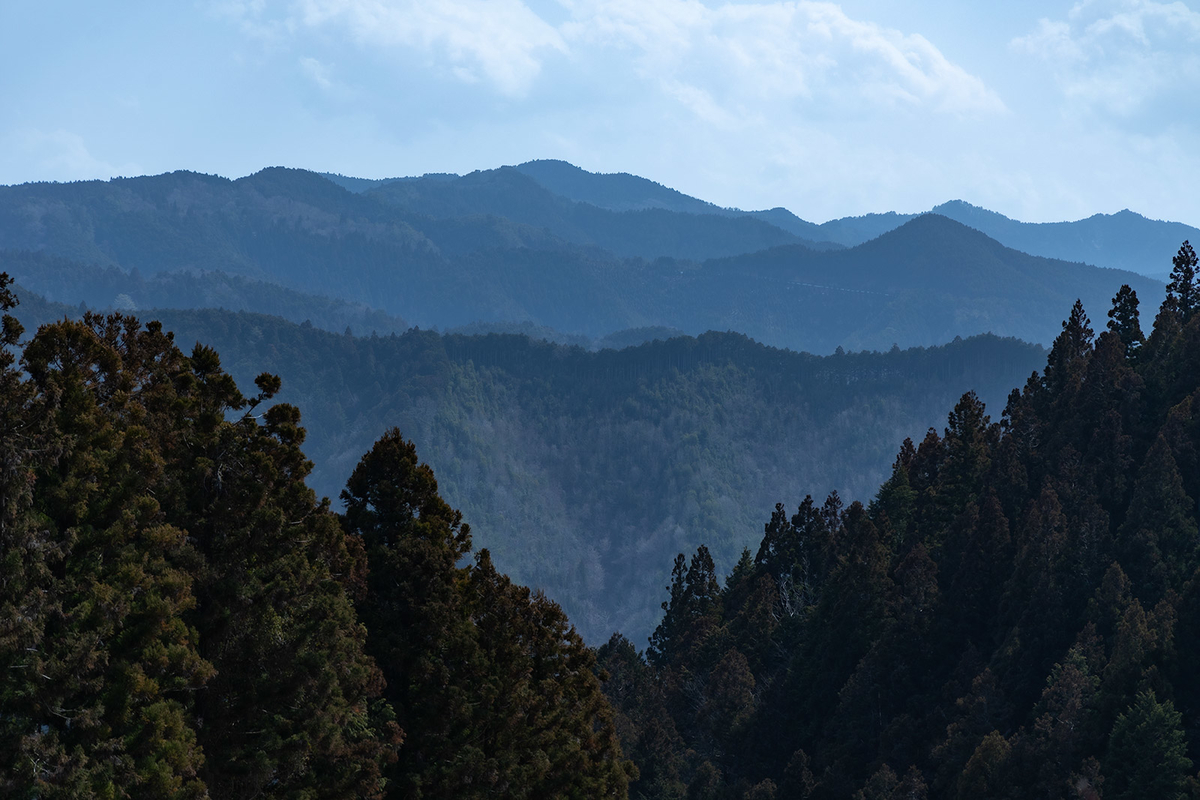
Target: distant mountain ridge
497	247
647	232
1125	240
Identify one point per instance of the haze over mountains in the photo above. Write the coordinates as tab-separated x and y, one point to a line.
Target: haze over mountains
584	473
498	247
532	440
1125	240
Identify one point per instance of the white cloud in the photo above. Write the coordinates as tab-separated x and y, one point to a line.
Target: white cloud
748	56
495	40
1119	56
317	72
56	155
720	60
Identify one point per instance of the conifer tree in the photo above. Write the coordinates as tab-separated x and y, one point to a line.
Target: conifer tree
117	657
1158	540
1051	750
1147	752
419	627
986	774
293	708
692	613
495	691
1183	286
1068	354
1123	319
545	728
969	440
29	559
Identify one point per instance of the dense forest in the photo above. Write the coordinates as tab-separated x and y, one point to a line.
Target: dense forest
181	618
1016	613
586	472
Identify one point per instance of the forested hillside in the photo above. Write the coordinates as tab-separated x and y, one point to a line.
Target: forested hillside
584	472
180	617
71	283
1016	613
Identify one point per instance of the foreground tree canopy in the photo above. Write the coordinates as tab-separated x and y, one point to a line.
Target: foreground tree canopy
180	617
1015	615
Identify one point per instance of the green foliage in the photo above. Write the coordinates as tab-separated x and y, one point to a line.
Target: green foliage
1123	318
1183	287
1146	754
998	623
494	689
179	612
584	473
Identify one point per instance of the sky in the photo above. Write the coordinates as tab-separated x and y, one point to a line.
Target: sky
1042	111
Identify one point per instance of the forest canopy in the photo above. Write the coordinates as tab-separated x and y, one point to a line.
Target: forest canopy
1015	614
180	617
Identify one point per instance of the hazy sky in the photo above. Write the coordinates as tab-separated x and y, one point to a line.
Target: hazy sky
1042	111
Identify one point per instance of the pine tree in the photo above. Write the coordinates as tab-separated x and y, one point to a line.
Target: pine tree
1158	539
1147	753
496	692
986	773
294	706
29	560
544	727
1053	747
1183	286
116	655
1123	319
1068	354
647	731
420	630
691	615
969	440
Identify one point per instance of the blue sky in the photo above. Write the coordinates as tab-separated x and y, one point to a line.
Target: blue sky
1042	111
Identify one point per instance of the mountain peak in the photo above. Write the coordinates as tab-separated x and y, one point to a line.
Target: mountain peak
617	191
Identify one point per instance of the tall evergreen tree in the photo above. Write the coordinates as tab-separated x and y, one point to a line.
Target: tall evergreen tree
118	659
1158	541
293	708
691	615
1068	354
29	560
496	693
1147	753
1183	286
420	628
1123	319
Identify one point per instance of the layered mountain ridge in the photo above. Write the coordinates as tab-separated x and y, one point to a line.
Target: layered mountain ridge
499	248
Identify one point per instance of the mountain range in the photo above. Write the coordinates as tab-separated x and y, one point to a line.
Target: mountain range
1124	240
583	471
498	247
